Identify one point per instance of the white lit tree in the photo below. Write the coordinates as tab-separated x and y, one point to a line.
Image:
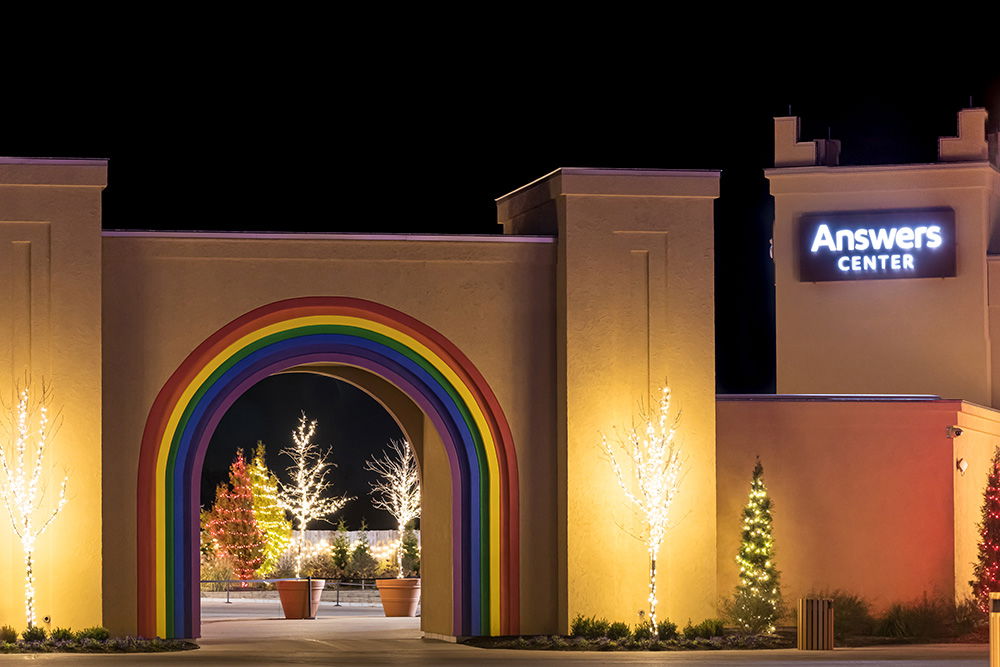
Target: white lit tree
651	481
21	486
308	496
398	489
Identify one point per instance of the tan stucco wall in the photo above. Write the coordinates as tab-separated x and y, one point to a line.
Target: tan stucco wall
50	330
913	336
634	307
494	300
867	495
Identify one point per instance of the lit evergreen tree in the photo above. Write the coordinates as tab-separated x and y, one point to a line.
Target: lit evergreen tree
363	564
340	549
411	553
757	602
232	524
268	512
987	571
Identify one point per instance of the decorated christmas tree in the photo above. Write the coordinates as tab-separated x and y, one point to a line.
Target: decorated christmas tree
268	512
232	524
757	603
987	571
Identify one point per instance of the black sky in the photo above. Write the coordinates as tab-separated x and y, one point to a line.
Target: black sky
348	420
425	145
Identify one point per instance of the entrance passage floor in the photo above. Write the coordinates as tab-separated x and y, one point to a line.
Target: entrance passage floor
249	633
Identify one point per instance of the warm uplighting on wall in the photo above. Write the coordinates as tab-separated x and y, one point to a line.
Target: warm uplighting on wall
20	487
652	484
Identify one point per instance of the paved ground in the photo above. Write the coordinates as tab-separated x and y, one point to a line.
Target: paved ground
358	636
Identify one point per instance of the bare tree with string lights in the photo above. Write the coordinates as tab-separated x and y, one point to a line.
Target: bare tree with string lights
307	497
650	484
21	486
398	489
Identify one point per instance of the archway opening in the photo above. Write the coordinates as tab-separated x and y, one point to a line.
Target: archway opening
349	547
418	361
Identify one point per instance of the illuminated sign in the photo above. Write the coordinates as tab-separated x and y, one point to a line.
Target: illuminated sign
875	245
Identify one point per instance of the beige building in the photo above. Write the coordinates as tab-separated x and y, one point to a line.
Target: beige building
504	358
877	447
501	357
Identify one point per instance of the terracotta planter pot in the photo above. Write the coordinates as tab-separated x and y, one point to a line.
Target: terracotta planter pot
297	600
399	596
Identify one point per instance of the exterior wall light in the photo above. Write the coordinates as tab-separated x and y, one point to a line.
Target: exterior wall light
962	466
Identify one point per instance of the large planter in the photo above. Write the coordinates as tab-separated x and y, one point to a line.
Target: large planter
300	597
399	596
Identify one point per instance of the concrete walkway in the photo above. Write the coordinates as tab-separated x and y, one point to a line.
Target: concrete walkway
357	636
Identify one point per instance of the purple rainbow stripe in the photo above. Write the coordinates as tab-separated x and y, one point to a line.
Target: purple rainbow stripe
415	358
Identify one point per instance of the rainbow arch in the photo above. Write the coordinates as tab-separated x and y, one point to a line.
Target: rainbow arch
417	359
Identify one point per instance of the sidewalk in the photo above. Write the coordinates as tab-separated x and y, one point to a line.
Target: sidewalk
361	636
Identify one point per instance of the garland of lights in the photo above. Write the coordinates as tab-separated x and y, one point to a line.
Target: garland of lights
306	497
268	512
656	467
986	574
398	490
19	488
758	595
232	524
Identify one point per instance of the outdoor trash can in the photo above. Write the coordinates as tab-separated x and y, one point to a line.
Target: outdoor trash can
815	624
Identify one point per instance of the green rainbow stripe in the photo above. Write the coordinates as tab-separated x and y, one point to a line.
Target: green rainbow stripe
414	357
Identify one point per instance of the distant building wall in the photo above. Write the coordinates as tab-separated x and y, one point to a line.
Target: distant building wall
930	335
867	495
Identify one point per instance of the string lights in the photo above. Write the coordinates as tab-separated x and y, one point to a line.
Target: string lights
398	490
655	467
306	498
267	510
757	603
232	524
21	489
986	574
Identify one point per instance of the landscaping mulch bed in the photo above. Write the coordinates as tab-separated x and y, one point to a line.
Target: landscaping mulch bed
113	645
561	643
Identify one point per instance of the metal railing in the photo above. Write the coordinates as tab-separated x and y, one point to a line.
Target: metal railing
365	584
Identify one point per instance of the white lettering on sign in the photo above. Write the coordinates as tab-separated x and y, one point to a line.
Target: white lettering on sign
905	238
860	240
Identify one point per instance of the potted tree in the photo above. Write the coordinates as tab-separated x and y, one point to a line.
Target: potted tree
305	498
398	492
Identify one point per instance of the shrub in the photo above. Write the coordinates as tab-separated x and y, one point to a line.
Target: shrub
643	631
34	633
285	567
62	635
599	628
580	626
666	630
619	630
8	634
386	567
922	619
411	554
851	614
969	617
97	633
215	568
710	627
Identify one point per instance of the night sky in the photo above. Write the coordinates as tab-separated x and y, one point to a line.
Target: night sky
427	146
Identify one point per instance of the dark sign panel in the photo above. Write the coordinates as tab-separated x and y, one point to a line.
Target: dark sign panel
876	245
